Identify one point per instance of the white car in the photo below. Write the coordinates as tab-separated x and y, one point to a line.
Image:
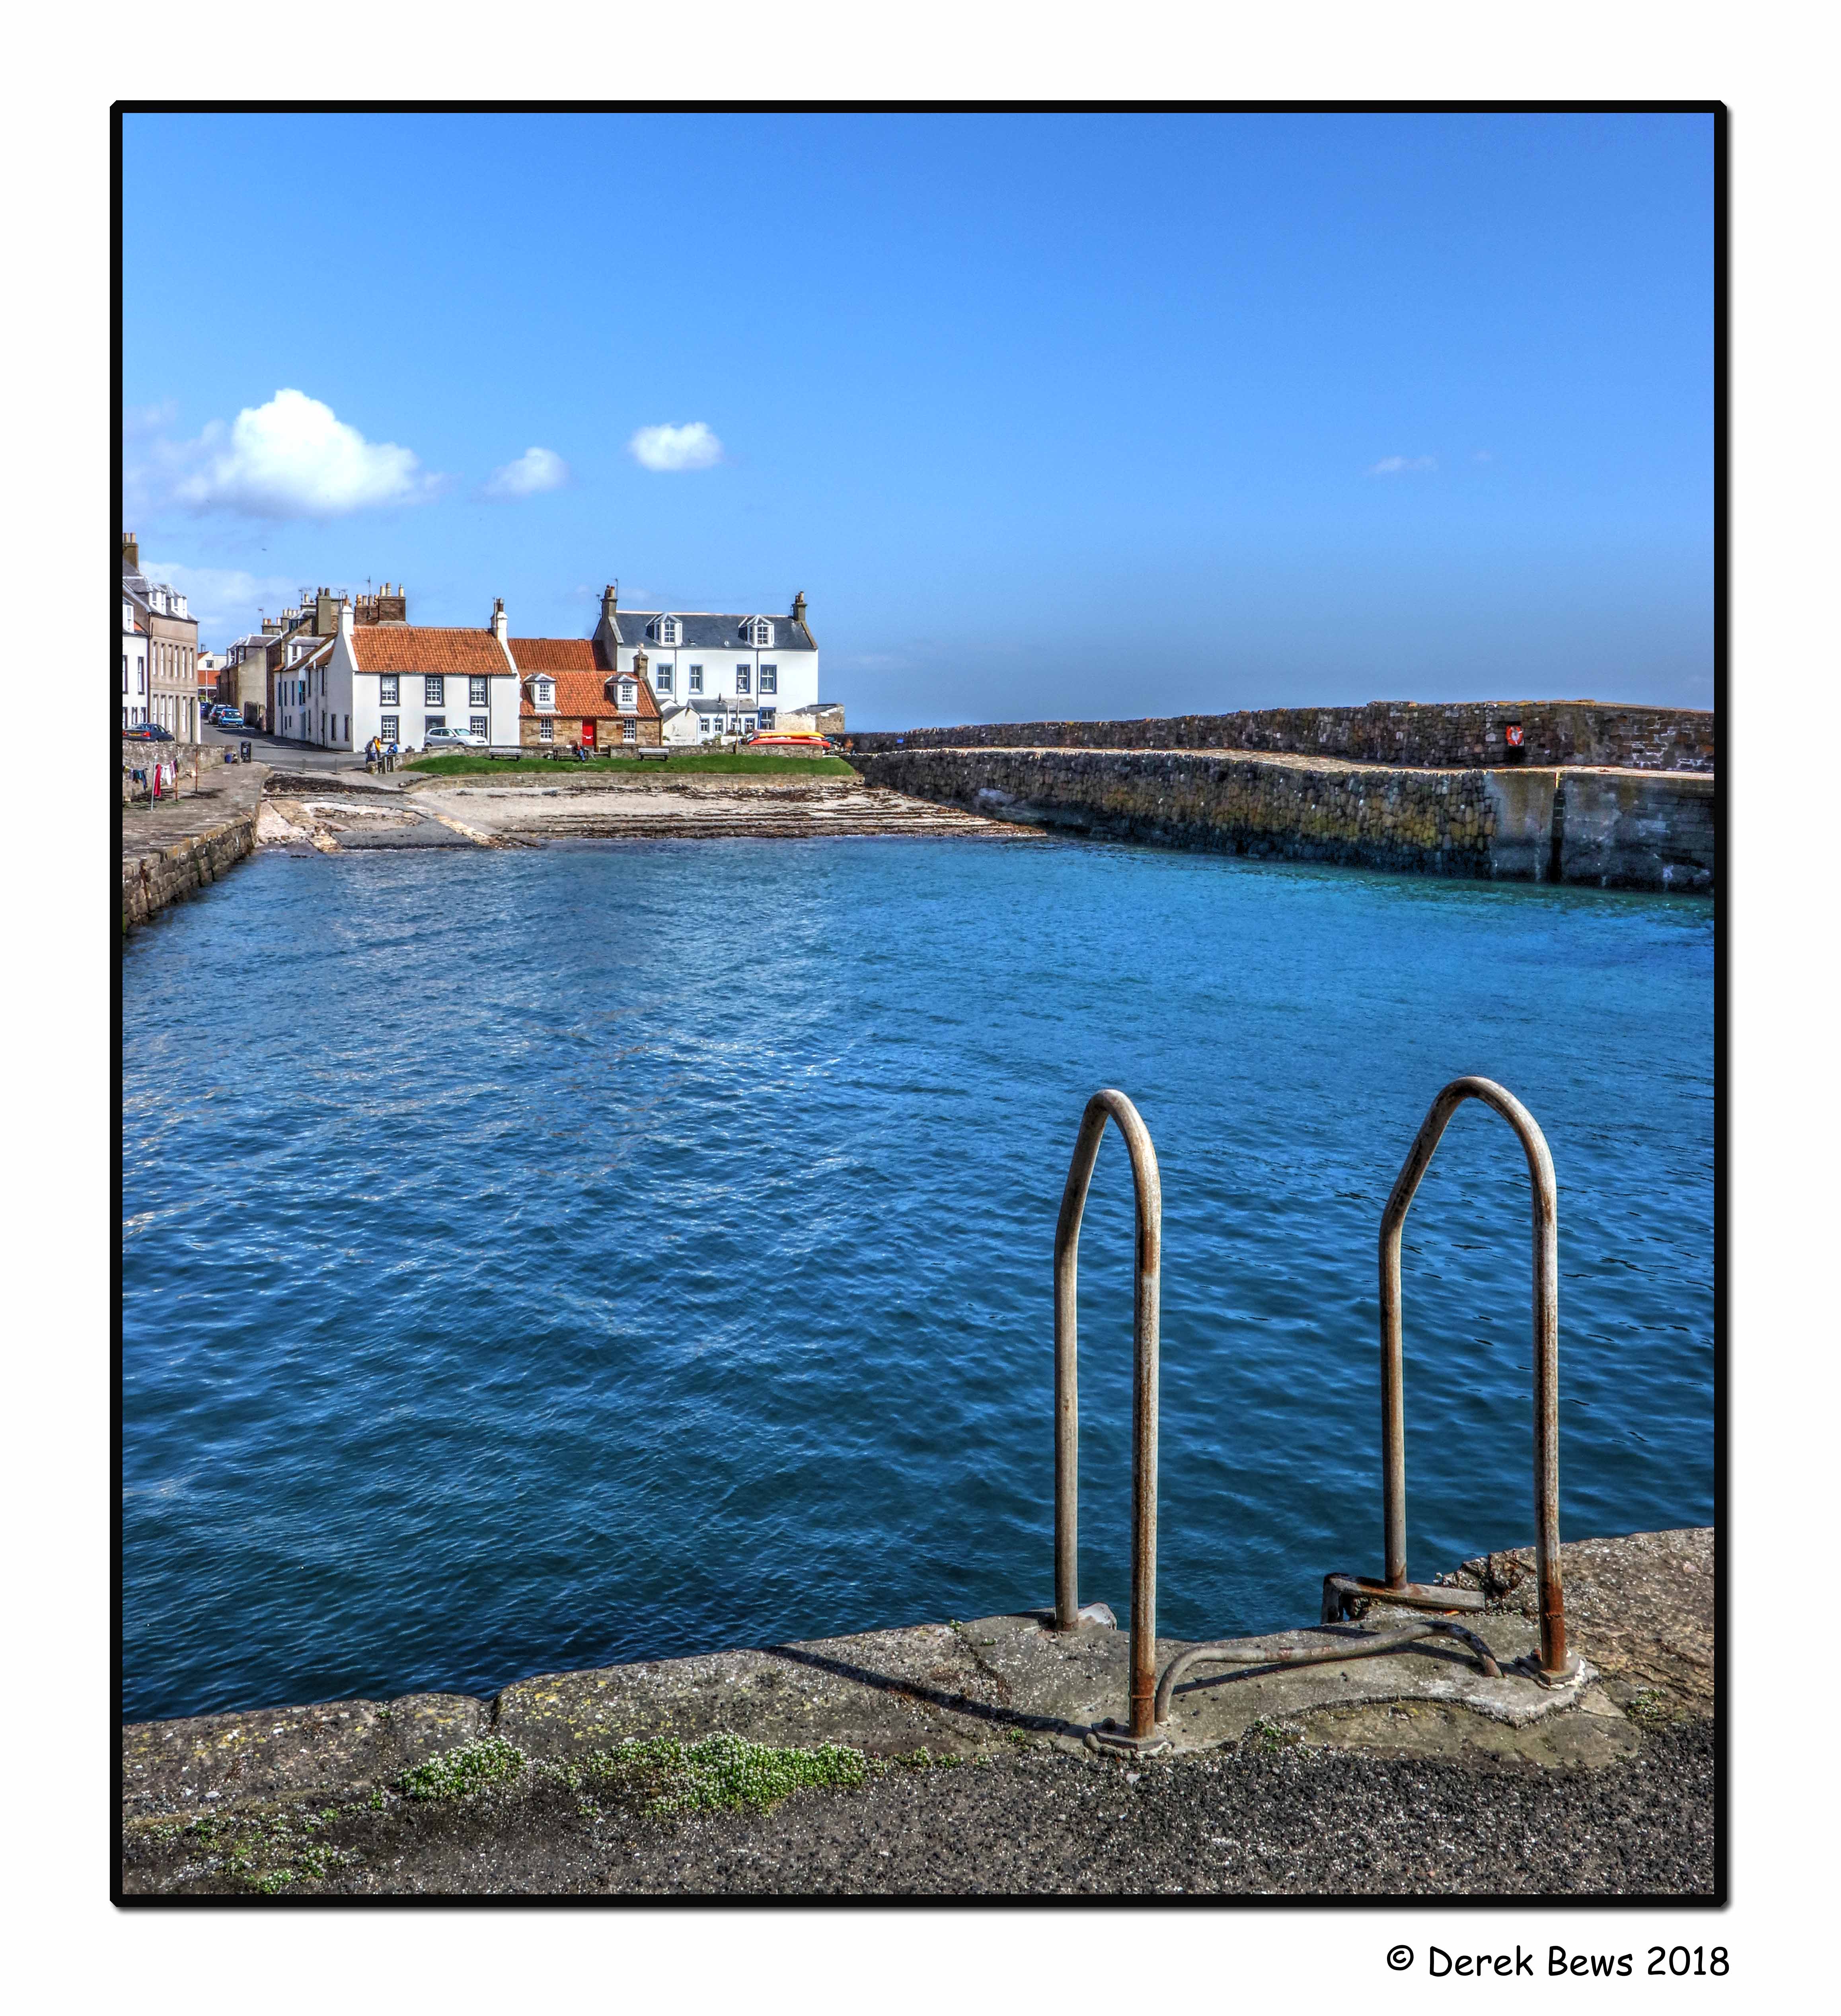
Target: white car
455	738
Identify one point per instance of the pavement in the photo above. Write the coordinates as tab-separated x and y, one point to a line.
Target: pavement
969	1768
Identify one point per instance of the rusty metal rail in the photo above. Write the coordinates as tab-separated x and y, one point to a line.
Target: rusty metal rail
1340	1591
1361	1645
1147	1273
1149	1699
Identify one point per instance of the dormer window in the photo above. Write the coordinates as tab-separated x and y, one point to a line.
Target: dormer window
665	630
546	693
758	631
628	694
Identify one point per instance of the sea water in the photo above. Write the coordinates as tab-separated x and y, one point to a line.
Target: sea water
534	1259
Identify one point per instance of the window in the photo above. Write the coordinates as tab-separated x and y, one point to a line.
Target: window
432	695
545	694
629	731
628	694
389	727
348	735
770	678
759	632
433	721
545	729
747	724
476	693
767	717
481	724
741	679
665	630
662	678
387	690
696	685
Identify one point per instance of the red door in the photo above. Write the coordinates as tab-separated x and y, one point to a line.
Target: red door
587	735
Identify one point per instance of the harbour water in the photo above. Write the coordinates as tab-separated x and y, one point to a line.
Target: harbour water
535	1259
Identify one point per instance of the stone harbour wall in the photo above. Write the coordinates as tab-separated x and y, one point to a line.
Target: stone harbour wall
1457	735
1611	829
156	879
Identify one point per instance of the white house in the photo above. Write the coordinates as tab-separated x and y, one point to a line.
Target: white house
134	668
397	681
714	674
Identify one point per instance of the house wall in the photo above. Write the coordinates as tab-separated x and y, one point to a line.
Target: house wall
134	679
796	674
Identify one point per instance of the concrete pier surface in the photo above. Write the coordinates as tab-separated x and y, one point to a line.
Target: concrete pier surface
956	1758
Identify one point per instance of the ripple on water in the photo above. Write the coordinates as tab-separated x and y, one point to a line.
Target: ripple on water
618	1252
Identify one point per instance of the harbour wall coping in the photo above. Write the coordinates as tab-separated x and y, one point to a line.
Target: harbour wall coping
1607	828
1441	735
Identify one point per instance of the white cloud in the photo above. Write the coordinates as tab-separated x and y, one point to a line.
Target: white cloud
694	447
536	470
294	458
136	420
1482	455
1400	465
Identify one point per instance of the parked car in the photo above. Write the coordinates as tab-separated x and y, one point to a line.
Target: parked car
225	717
455	738
147	731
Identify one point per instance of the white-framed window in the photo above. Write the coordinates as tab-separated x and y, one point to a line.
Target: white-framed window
696	685
741	679
629	731
433	694
545	729
546	693
387	690
389	728
661	679
665	630
747	724
760	633
770	678
476	692
628	693
481	724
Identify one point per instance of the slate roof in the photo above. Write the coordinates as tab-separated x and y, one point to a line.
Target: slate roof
422	647
703	630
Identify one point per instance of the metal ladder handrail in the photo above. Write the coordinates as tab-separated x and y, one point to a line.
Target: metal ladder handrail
1338	1590
1147	1253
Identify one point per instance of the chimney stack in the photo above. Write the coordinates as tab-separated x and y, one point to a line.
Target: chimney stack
499	618
345	617
131	553
799	606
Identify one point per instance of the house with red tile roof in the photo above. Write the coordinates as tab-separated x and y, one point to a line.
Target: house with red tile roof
570	696
400	682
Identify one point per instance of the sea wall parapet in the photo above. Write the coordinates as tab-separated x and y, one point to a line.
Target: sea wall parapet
1437	735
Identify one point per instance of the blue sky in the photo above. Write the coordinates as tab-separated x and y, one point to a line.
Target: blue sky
1046	414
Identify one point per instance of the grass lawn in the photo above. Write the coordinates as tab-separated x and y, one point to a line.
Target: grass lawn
717	762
